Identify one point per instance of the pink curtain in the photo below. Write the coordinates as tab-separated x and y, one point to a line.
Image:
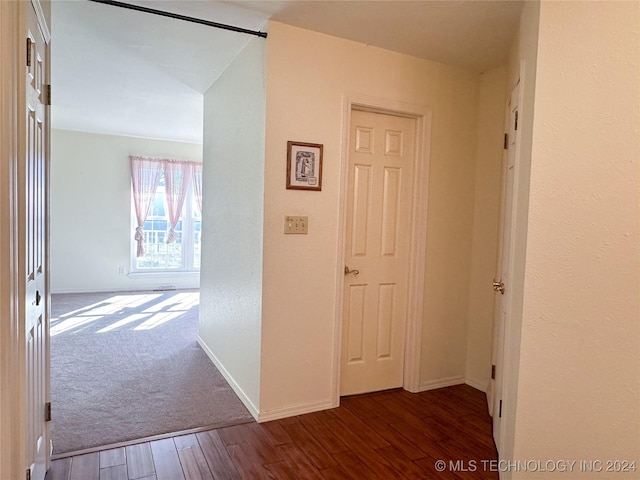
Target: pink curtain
145	175
197	184
176	180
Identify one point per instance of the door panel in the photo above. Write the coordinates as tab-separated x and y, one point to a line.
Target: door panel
33	188
361	196
356	323
386	320
390	213
381	158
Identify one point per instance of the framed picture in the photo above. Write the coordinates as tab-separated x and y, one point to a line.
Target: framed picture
304	166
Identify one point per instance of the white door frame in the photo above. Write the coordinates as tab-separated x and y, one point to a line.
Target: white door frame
417	252
11	429
13	18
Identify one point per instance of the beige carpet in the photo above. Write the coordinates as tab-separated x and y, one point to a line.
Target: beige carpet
127	365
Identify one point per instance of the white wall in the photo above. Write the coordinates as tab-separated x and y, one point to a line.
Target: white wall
91	211
486	223
231	271
579	376
308	74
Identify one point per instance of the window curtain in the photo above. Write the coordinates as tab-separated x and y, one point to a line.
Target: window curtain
176	181
145	175
197	184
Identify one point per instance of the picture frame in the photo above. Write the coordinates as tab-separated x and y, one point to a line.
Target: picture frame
304	166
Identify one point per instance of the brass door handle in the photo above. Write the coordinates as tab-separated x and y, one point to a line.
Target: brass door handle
498	287
347	271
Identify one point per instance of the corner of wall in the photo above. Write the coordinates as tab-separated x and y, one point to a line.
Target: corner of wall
233	216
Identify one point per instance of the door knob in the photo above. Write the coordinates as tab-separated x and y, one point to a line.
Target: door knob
38	298
498	287
347	271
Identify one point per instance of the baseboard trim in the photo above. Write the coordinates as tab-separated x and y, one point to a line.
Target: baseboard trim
440	383
125	290
477	384
294	410
253	410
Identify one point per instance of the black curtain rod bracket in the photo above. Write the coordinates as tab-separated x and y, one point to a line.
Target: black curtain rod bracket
177	16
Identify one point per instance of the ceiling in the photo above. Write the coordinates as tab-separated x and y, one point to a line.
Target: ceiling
119	71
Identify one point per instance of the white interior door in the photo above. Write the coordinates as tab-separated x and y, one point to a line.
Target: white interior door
503	282
33	213
381	159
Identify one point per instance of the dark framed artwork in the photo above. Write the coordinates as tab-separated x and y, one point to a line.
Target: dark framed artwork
304	166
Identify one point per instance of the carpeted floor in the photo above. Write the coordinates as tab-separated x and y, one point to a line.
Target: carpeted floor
127	365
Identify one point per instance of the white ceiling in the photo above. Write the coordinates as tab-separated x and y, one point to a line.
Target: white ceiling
124	72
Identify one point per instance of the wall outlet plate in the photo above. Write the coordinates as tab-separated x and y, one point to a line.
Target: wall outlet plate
296	225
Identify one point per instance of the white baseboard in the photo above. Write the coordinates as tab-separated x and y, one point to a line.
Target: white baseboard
133	289
477	384
294	410
440	383
253	410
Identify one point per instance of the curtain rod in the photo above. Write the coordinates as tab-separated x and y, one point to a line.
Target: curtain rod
181	17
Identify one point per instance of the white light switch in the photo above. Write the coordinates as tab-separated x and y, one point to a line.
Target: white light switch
296	225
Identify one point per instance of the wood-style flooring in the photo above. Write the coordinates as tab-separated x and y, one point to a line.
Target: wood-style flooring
384	435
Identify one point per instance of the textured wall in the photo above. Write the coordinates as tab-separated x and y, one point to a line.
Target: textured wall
231	272
579	376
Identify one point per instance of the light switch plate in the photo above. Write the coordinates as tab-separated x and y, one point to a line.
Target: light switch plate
296	225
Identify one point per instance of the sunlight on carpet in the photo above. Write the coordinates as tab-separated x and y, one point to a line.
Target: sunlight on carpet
127	366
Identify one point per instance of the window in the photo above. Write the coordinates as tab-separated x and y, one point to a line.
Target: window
167	214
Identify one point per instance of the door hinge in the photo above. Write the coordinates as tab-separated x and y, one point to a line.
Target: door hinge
500	410
493	372
47	95
506	141
47	412
515	125
29	43
28	474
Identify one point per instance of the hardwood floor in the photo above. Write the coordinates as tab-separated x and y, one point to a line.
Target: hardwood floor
384	435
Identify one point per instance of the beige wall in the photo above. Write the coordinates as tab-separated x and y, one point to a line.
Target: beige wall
486	220
308	75
231	271
579	376
91	232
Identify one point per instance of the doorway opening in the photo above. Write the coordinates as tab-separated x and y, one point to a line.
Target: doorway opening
129	85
